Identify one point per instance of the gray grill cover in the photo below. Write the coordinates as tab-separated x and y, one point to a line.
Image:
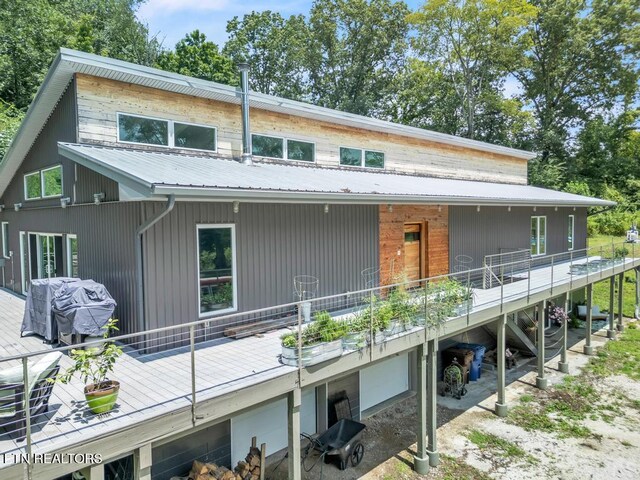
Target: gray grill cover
38	317
83	307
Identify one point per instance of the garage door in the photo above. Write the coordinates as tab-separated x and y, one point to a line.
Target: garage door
383	381
269	424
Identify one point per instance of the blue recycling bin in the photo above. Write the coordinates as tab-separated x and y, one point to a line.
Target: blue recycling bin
475	369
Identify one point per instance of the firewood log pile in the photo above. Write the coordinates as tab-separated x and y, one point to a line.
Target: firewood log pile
252	468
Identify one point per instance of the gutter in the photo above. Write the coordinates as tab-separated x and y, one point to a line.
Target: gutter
141	321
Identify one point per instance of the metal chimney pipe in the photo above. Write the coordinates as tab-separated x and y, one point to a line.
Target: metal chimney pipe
246	131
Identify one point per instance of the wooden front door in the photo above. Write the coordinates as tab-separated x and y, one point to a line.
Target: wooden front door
413	251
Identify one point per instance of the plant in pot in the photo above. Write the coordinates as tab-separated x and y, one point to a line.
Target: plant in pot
405	310
357	330
321	340
93	365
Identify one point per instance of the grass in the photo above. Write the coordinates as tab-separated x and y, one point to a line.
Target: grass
498	445
452	468
601	289
618	357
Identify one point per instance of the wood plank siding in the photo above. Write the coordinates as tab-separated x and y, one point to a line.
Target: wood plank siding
99	100
435	234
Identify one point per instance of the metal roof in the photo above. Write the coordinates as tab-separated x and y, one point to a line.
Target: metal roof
154	174
68	62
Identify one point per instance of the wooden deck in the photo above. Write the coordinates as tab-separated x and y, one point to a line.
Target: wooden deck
155	384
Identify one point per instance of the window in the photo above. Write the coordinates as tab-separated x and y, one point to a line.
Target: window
52	182
303	151
72	256
276	147
216	269
538	235
356	157
5	239
32	186
571	231
45	255
150	131
46	183
194	136
263	146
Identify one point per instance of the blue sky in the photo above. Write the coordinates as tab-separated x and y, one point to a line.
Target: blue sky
170	20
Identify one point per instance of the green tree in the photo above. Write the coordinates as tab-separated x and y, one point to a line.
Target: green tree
582	60
10	118
472	44
355	49
197	57
274	48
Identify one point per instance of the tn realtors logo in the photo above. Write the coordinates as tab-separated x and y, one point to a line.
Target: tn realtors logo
52	458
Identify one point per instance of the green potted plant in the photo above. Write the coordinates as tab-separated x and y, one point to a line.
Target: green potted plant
321	341
93	365
404	310
357	330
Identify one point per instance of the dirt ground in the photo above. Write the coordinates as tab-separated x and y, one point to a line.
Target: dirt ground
611	451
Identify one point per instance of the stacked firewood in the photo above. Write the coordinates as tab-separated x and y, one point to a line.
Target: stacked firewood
252	468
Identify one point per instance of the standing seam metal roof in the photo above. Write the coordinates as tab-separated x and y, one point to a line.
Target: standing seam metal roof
156	173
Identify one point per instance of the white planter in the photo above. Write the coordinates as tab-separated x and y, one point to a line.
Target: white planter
313	354
353	341
395	328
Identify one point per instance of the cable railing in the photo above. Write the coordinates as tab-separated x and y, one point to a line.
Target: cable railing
180	366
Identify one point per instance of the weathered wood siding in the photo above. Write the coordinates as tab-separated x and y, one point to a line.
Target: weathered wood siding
435	237
99	100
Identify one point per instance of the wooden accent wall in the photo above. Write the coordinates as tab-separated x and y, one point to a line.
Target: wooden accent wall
435	226
99	100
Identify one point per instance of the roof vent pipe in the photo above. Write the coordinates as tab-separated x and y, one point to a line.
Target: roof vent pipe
246	132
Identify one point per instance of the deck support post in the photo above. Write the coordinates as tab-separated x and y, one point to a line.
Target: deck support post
620	297
563	364
142	462
95	472
636	309
588	348
421	460
294	401
432	390
501	404
322	393
541	380
611	331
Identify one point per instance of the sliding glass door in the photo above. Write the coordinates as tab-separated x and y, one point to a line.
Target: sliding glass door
45	255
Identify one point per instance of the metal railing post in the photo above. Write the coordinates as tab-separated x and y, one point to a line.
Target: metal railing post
570	269
300	342
470	299
587	264
501	289
601	259
372	336
27	412
192	346
529	281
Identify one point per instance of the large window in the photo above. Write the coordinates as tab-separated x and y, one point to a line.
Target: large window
571	232
5	239
165	133
72	256
538	235
216	269
276	147
45	255
356	157
46	183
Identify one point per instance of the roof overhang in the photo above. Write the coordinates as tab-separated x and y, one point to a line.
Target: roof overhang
196	178
69	62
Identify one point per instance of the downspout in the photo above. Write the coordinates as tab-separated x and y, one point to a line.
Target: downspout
246	131
140	321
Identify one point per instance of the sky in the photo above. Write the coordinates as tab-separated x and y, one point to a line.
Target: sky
170	20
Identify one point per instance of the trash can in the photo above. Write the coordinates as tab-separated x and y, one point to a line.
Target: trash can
475	369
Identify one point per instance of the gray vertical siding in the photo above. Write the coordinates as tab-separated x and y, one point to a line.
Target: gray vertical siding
274	243
89	183
486	232
348	386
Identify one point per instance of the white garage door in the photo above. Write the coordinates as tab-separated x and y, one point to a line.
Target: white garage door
269	424
383	381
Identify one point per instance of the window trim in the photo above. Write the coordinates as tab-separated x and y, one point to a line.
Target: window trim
572	221
285	148
362	157
234	280
538	217
61	181
5	239
69	262
171	141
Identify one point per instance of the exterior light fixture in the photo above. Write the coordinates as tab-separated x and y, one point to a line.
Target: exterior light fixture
236	207
17	206
326	208
389	208
98	197
535	209
509	208
64	202
2	207
574	209
478	208
555	209
439	208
